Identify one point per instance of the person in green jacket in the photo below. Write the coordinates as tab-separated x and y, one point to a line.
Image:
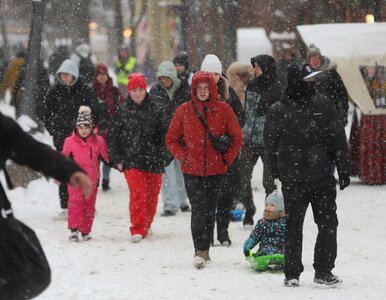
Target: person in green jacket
124	65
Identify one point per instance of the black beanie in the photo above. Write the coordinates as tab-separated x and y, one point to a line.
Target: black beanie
182	58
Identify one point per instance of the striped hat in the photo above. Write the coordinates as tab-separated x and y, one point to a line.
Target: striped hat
84	116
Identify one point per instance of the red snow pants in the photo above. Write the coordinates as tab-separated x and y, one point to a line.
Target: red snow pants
144	190
81	211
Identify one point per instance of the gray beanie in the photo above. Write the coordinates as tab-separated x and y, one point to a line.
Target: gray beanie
313	51
277	200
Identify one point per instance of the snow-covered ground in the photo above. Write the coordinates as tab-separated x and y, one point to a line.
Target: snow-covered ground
111	267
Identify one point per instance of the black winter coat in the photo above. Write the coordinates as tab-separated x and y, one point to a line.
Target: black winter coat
20	147
62	106
304	139
330	84
168	106
137	138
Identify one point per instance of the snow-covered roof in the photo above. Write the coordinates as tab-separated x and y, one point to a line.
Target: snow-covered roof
252	42
350	46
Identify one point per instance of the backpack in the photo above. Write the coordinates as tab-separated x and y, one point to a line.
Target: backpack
86	68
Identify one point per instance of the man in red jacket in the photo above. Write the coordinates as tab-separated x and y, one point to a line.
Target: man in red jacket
202	165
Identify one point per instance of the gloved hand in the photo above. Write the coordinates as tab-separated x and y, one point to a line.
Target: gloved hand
344	181
249	244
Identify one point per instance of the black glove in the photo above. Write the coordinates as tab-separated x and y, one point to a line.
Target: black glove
344	181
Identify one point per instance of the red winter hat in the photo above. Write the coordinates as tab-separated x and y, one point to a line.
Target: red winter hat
136	80
101	69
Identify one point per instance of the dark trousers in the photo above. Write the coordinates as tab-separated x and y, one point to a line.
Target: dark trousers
248	160
230	188
63	193
203	193
322	196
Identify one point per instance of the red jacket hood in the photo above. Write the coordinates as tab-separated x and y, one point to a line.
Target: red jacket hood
203	76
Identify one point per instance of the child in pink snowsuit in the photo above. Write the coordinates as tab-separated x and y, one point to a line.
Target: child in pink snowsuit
86	148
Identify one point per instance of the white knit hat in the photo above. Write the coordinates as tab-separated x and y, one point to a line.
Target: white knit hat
212	64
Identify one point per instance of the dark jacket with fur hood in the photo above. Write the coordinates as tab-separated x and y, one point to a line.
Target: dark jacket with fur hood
262	92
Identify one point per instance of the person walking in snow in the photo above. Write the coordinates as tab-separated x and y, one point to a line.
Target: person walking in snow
86	148
137	148
231	183
169	93
305	139
181	63
329	83
23	149
262	91
109	99
61	110
269	233
239	74
202	165
124	65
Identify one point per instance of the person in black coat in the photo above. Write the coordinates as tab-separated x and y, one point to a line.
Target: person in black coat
137	148
305	139
168	93
329	83
23	149
61	110
261	93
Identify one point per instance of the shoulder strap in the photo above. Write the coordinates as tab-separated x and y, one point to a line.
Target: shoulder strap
203	122
5	205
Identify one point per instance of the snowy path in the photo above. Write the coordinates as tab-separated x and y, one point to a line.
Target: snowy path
160	267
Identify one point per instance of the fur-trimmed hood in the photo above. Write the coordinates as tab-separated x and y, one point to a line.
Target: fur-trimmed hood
234	73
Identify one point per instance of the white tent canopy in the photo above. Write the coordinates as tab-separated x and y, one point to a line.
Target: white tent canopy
351	46
252	42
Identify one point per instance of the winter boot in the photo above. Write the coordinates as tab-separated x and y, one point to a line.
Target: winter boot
326	278
185	208
106	185
136	238
248	218
168	213
74	236
86	237
291	281
223	238
201	258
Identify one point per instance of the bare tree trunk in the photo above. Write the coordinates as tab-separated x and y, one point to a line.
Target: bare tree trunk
81	19
231	16
184	25
28	102
118	32
4	34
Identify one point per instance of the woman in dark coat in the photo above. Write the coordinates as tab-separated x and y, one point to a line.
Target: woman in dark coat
137	148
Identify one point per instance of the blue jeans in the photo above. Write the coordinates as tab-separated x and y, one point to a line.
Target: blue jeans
105	172
173	188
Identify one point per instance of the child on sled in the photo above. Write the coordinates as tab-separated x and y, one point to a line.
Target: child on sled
269	233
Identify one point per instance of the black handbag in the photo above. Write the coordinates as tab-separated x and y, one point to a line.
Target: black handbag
220	143
24	269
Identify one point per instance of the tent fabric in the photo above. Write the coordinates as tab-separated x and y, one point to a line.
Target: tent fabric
372	149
